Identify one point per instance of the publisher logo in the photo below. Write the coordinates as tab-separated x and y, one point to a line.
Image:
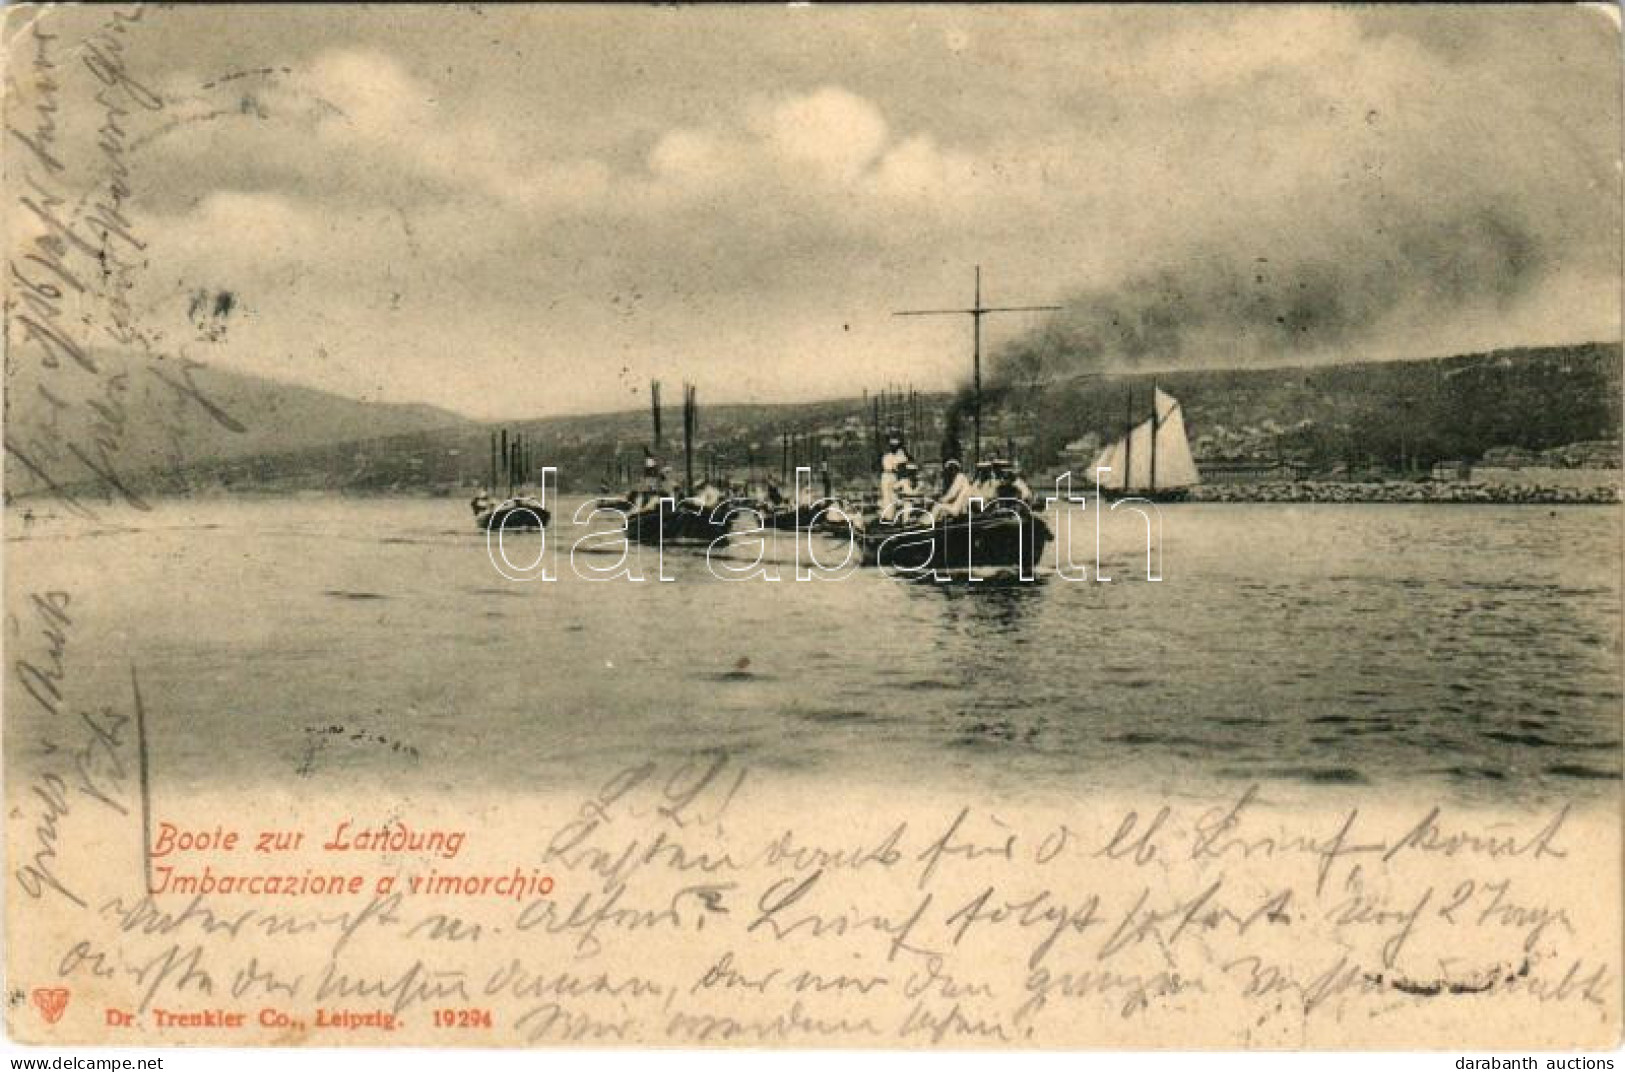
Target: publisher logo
51	1001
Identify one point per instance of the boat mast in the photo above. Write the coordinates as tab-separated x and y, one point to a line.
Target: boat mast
507	462
1154	427
976	312
1128	439
688	438
654	405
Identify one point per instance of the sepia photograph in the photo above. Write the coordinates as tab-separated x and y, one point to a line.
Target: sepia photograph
897	527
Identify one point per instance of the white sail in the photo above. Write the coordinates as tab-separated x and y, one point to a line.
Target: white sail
1136	466
1108	467
1175	466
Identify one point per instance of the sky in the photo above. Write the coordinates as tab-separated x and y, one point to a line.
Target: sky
531	211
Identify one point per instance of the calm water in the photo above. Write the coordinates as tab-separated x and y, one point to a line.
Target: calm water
1475	651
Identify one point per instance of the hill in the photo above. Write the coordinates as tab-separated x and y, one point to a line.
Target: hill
161	420
1394	418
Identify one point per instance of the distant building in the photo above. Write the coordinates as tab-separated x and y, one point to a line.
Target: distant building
1248	471
1081	452
1542	477
1452	470
1590	454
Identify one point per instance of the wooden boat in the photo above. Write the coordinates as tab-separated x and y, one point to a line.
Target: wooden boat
516	512
665	522
787	518
669	523
513	515
1002	535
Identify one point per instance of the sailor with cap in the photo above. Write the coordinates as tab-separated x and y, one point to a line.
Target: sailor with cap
891	465
906	494
985	485
705	496
1011	486
956	500
653	485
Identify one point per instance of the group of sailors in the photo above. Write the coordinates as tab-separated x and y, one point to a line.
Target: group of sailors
904	498
657	484
904	495
486	508
775	498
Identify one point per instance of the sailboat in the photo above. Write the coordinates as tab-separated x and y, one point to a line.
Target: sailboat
1152	459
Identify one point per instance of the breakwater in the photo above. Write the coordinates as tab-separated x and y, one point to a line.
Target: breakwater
1398	491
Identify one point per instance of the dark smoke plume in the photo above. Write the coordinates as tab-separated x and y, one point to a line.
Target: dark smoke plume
1258	306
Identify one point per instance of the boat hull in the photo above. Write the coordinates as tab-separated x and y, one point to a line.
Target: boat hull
997	538
665	523
513	517
786	519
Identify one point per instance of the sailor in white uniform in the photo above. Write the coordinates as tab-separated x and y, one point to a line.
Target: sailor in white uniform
905	495
956	500
1011	486
891	467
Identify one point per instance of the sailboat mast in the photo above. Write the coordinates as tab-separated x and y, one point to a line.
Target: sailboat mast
976	358
507	462
1128	441
654	406
875	426
1153	435
688	438
976	312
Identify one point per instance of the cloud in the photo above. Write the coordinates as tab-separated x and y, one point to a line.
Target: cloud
579	201
831	131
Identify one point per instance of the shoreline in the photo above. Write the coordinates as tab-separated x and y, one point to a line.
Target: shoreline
1291	492
1464	494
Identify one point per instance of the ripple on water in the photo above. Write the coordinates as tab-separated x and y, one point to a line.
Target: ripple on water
1575	770
1522	700
1242	720
836	715
1141	739
990	735
1525	739
1473	774
735	676
1311	775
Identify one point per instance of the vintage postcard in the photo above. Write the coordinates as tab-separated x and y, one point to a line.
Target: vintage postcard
870	527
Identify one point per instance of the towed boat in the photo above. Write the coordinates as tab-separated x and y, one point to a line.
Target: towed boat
665	522
514	514
1005	534
787	518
